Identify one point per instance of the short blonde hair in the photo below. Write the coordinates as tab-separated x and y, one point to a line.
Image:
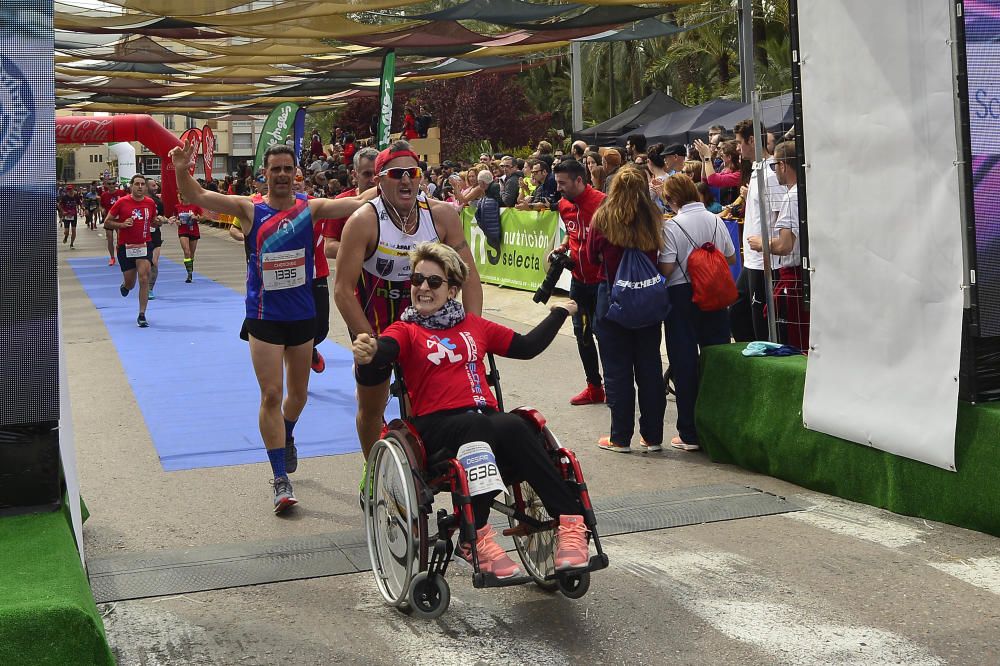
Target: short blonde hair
444	256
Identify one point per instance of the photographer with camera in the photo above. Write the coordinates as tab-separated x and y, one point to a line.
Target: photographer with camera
576	208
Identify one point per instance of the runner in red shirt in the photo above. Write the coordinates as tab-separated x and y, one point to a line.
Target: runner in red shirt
188	232
132	216
109	195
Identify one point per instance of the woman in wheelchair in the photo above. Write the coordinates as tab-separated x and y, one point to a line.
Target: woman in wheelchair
441	350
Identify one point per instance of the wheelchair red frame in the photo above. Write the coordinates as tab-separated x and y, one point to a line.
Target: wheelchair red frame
409	569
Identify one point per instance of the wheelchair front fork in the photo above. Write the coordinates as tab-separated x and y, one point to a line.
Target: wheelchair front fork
441	554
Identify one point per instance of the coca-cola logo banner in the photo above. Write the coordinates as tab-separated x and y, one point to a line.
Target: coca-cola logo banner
83	130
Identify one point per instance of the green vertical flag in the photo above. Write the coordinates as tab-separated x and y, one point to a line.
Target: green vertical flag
277	129
386	88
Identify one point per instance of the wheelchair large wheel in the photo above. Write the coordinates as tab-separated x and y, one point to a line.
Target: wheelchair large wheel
392	520
536	549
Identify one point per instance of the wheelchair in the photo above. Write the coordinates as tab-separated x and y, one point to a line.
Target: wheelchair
409	562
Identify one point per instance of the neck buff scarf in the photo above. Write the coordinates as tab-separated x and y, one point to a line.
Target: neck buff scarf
451	314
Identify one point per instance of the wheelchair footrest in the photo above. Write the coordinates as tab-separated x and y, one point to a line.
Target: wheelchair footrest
482	580
596	563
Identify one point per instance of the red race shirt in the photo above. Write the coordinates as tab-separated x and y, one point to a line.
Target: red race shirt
334	227
446	369
107	199
142	213
576	216
192	227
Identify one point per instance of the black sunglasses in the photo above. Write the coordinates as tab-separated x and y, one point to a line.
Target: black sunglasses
433	281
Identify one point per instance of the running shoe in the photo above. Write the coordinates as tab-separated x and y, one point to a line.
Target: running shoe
646	446
606	444
111	261
122	290
681	445
152	296
71	246
318	362
492	558
141	320
283	497
291	455
571	543
188	279
592	395
361	486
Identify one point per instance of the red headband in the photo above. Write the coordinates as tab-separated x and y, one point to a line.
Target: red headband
385	157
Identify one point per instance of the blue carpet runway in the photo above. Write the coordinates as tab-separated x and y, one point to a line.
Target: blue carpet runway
192	377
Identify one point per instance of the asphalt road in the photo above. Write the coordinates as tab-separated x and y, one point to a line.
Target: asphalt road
839	583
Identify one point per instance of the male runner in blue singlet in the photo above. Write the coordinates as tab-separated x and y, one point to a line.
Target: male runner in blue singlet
280	310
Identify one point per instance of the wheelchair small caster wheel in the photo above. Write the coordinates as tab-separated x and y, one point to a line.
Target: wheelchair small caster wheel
429	596
405	608
574	585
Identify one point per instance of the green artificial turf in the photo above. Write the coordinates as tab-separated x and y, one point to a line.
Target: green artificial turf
47	612
749	413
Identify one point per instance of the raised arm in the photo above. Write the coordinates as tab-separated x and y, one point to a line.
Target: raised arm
449	228
342	207
535	341
194	193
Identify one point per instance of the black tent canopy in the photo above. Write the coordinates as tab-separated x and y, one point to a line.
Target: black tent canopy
642	112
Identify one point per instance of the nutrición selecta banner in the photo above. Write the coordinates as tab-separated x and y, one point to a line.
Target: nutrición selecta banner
526	241
386	88
277	129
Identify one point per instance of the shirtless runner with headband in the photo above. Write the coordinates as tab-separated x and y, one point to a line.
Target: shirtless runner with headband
372	284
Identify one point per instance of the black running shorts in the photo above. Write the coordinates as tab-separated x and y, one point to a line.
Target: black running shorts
287	333
128	263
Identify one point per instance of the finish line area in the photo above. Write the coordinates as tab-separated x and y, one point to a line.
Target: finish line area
211	566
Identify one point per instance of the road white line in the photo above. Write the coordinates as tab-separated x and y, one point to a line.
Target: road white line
859	521
983	572
475	630
723	590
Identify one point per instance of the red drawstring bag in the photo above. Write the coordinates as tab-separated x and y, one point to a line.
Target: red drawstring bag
708	272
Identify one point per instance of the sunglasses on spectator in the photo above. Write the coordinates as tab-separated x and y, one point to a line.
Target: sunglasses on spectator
397	173
774	165
299	179
433	281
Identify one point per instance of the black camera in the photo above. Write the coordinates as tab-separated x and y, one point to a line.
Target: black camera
560	261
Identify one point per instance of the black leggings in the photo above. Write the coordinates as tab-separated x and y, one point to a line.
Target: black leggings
321	295
518	450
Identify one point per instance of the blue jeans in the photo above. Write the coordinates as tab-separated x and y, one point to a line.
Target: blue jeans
585	296
688	328
631	359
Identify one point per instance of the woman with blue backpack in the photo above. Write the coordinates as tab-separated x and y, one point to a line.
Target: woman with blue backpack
696	260
626	233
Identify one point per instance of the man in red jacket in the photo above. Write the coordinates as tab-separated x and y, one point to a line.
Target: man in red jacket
576	208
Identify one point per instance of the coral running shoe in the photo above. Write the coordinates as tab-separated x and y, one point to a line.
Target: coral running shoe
111	261
492	558
592	395
571	543
318	362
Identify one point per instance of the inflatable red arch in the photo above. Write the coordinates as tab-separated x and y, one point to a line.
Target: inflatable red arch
111	129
